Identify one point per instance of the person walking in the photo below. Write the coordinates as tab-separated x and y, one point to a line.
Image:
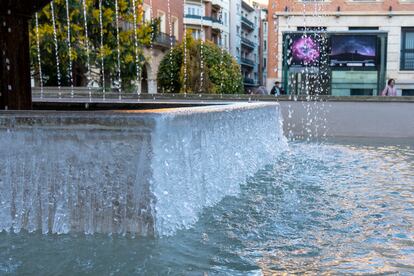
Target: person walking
277	90
390	89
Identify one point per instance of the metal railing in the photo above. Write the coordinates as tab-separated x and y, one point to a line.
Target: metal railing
248	23
249	81
247	61
194	16
248	42
164	40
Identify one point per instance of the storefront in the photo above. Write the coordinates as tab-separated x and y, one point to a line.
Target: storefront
351	63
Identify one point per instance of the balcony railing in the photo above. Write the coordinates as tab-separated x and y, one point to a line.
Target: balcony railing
249	81
247	42
216	20
248	23
164	40
247	61
194	16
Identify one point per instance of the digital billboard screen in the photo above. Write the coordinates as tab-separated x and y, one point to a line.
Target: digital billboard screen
353	51
305	50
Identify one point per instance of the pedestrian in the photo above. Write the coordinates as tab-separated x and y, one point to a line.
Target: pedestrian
261	90
390	89
277	90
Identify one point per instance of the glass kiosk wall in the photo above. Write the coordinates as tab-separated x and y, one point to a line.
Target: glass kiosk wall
339	64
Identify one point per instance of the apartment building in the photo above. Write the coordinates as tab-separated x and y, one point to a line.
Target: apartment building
171	32
250	44
263	49
235	28
357	44
170	23
208	20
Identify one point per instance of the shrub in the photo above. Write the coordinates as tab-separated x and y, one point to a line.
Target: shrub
221	73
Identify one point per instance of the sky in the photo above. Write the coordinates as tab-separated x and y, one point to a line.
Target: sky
263	1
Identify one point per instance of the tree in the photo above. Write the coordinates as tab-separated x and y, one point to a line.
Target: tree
78	40
221	73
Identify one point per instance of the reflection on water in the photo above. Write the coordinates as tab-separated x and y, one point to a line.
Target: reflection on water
334	208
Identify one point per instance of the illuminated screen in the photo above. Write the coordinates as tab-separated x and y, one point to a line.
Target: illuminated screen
305	50
353	50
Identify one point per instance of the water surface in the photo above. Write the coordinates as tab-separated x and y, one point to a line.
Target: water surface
342	208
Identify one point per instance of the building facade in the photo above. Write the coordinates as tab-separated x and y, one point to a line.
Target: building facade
235	28
263	50
208	20
250	44
388	24
171	31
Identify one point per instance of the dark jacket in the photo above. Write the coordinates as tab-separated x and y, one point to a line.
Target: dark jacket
274	90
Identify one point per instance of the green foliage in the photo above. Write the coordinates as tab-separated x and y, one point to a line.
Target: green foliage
78	40
221	72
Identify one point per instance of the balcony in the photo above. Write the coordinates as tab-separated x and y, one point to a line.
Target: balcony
194	16
216	20
249	82
248	43
193	19
247	23
246	61
164	40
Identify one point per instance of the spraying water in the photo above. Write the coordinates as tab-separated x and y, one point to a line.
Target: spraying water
202	50
222	52
185	55
56	48
171	43
102	50
39	58
88	61
138	72
118	48
152	40
70	77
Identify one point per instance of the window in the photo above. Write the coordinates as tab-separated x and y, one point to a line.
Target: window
196	33
407	92
175	26
407	49
147	13
361	92
193	9
163	22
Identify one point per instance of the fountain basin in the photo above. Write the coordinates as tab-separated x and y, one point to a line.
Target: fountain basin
146	172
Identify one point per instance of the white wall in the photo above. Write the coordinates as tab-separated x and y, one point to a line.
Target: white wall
235	27
348	119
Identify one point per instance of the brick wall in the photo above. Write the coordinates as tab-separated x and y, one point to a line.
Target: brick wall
177	10
354	13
